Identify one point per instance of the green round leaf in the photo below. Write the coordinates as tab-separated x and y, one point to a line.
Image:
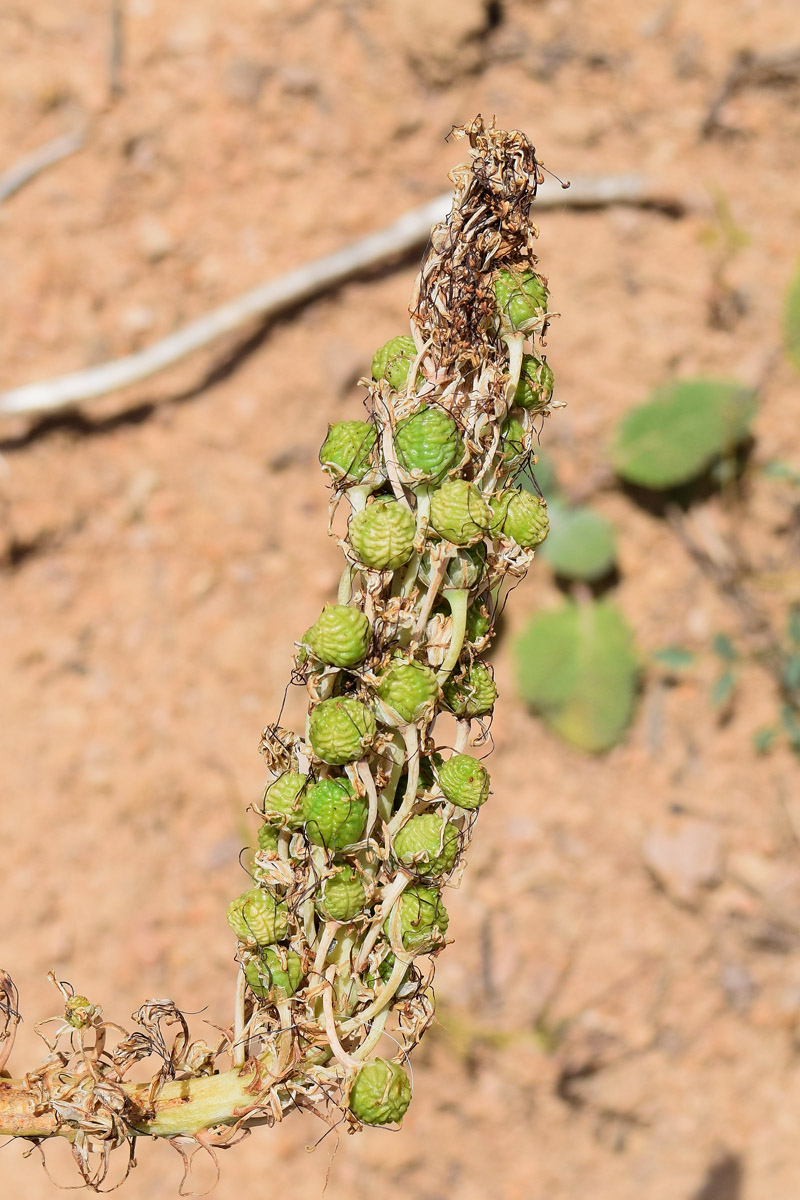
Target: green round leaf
578	668
581	544
677	434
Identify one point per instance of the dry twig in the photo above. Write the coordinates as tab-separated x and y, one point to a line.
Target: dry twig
750	70
37	161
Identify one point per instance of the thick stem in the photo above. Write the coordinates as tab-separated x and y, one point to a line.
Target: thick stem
181	1107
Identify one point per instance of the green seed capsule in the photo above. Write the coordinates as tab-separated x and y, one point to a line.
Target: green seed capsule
520	516
342	895
341	730
514	440
459	512
381	1093
409	688
382	534
283	799
393	361
426	443
340	635
347	450
275	974
258	918
471	695
427	844
335	817
478	622
464	781
521	298
268	836
463	570
423	919
535	387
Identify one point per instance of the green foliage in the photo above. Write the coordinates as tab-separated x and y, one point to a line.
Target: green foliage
777	469
674	659
581	544
791	320
578	667
675	436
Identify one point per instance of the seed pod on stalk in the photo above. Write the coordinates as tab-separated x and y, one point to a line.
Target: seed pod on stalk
365	819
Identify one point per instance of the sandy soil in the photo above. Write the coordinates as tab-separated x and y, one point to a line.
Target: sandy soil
601	1032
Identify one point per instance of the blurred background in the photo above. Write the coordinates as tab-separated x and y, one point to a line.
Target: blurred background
618	1016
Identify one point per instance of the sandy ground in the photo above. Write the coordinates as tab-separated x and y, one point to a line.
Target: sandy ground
601	1032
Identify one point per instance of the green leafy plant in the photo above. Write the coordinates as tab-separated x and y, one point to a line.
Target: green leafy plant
581	544
578	667
365	816
681	431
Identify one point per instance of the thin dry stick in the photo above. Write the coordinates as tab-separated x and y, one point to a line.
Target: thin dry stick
37	161
278	295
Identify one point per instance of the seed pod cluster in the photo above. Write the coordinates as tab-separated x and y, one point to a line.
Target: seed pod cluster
367	817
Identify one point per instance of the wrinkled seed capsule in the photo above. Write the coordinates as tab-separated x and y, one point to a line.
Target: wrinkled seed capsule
342	895
274	974
514	438
423	919
268	838
521	298
283	799
393	361
459	512
473	694
341	730
535	387
381	1093
409	688
464	781
520	516
347	450
478	622
335	817
426	443
382	534
340	635
427	844
258	918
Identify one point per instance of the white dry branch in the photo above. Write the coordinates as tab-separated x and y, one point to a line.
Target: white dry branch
310	281
22	172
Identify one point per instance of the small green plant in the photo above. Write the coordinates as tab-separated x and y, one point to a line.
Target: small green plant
681	431
366	815
578	667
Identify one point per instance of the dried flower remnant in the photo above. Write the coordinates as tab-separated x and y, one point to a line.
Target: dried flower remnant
365	818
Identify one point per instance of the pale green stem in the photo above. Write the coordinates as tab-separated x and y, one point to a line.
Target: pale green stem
345	585
373	1037
365	775
386	800
411	738
388	898
239	1054
458	599
431	594
462	736
380	1002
